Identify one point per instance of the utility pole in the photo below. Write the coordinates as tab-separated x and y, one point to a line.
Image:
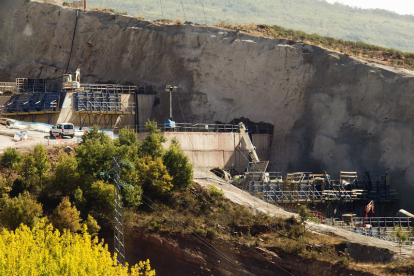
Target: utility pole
119	247
170	89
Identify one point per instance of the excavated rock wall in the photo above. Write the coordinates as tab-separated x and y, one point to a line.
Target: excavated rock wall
330	111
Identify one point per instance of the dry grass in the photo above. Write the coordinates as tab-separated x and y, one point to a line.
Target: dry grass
362	50
139	17
216	218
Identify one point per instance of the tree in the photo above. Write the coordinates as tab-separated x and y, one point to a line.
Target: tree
401	237
44	251
101	198
94	134
303	216
80	201
66	217
66	173
131	195
4	186
153	176
95	156
22	209
26	169
10	156
178	166
152	144
93	226
127	137
41	163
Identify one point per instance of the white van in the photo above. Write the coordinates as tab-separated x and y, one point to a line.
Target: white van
63	129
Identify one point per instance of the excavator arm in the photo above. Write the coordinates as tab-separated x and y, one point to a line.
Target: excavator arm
248	143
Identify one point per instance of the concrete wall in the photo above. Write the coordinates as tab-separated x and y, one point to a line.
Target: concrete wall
211	150
145	108
263	144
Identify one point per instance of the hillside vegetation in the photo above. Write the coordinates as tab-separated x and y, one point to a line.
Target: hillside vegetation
377	27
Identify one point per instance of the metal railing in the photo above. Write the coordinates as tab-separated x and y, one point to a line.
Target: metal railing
278	196
47	107
378	227
116	88
188	127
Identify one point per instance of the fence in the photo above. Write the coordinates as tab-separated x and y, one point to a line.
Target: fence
378	227
188	127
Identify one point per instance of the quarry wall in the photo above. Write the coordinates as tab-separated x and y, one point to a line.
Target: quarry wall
330	111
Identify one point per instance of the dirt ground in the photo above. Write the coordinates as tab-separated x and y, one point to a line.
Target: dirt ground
34	138
205	178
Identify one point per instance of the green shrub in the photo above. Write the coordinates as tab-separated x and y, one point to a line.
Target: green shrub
127	137
153	177
22	209
10	156
93	226
41	163
101	198
27	169
211	233
152	144
343	261
178	166
154	225
215	192
66	175
66	217
303	215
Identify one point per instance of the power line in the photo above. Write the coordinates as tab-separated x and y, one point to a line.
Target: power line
200	239
200	215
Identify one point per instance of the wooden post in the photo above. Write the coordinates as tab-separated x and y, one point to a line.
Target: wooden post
84	4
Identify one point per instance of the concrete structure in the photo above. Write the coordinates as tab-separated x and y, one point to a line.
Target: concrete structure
210	149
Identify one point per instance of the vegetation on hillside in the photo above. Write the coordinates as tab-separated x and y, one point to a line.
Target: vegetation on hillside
362	50
71	188
378	27
73	191
357	48
41	250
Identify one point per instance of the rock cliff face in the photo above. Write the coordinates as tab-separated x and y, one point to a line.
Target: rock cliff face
330	111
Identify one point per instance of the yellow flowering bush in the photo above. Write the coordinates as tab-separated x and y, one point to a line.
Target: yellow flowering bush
45	251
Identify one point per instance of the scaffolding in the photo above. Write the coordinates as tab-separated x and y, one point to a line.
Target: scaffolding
377	227
33	104
101	105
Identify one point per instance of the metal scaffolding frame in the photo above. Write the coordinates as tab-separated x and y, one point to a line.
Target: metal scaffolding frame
119	226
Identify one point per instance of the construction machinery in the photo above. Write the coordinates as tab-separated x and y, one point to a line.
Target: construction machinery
251	149
71	84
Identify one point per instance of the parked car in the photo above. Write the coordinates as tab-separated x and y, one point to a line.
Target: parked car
63	129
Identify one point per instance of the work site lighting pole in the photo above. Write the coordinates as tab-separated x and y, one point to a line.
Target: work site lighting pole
170	89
